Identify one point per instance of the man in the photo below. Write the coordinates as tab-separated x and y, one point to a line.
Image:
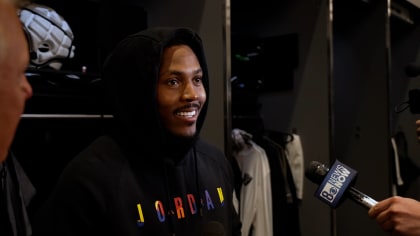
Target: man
14	88
153	175
15	189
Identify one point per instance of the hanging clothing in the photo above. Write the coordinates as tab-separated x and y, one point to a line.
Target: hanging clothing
285	203
16	192
406	172
291	144
294	154
255	201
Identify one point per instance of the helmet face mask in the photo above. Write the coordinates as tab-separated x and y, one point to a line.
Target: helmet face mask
50	38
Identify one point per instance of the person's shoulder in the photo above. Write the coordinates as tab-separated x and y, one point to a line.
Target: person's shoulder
213	156
103	144
210	152
207	148
102	154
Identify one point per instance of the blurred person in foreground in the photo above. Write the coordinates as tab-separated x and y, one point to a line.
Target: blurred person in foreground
16	191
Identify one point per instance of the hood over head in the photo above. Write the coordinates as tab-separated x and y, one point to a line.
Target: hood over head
131	74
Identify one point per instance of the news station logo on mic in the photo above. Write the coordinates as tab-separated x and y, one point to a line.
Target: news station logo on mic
335	183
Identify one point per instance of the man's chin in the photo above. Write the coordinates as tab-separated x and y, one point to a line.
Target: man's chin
187	134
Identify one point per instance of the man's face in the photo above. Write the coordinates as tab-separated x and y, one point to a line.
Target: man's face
14	88
180	90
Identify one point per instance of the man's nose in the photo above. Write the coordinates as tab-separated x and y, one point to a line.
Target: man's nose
190	92
27	88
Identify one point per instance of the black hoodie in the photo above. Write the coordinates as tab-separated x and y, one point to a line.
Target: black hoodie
141	180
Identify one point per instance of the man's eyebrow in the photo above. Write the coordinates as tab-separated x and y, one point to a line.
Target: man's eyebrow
175	72
198	71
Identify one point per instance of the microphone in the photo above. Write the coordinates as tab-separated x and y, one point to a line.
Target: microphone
335	182
213	228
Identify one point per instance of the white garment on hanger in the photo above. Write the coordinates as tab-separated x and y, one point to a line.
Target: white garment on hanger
255	206
294	154
397	167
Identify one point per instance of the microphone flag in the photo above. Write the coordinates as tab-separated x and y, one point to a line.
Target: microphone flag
336	182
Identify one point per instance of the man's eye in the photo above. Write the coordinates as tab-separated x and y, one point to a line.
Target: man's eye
173	82
198	80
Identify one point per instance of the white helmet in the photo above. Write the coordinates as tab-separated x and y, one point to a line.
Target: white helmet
50	38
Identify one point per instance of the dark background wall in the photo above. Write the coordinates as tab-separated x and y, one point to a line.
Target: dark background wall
361	105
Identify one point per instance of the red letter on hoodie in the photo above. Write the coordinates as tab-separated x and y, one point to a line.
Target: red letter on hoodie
192	204
179	209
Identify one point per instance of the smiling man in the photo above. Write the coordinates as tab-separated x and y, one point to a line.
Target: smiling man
152	175
181	92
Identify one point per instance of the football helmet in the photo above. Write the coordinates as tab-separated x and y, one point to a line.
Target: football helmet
50	37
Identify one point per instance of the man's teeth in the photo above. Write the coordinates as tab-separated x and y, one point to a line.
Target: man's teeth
187	114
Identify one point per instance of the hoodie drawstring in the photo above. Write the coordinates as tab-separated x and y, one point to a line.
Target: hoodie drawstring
197	182
168	162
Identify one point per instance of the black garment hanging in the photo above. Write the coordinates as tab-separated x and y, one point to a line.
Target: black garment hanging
284	199
410	172
278	137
